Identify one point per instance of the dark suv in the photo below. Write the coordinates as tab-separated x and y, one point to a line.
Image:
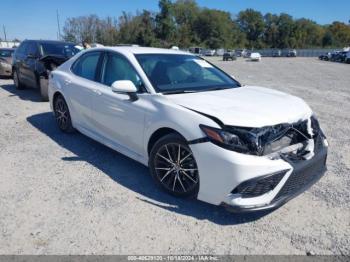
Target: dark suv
229	55
34	59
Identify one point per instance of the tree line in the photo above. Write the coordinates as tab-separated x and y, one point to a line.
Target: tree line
184	23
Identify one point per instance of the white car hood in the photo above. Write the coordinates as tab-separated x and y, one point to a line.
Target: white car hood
247	106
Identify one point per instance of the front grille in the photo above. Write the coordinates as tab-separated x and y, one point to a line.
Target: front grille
258	187
302	177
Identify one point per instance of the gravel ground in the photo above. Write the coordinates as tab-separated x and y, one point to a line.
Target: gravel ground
66	194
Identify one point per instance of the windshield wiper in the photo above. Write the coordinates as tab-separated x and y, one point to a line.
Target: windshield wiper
216	88
194	91
178	92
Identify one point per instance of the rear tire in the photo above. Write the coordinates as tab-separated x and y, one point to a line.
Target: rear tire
43	90
62	115
17	82
173	167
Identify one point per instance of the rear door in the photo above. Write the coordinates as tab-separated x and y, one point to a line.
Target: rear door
80	87
29	64
20	55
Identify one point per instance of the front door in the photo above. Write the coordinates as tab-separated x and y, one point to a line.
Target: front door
116	116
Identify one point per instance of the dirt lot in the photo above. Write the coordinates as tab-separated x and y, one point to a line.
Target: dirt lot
64	194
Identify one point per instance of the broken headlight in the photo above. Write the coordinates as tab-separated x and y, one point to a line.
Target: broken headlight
5	64
224	139
260	141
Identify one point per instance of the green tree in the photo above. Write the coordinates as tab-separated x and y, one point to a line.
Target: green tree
327	39
340	33
165	22
215	28
146	35
185	14
271	32
308	33
139	29
184	23
286	28
252	23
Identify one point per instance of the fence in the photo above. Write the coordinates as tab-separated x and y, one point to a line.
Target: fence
300	52
8	44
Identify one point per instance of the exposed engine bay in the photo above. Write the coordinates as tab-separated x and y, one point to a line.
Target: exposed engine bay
51	62
295	141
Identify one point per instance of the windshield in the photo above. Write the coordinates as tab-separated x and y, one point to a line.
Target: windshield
61	49
6	53
173	73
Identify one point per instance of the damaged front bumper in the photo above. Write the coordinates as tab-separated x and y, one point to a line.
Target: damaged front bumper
303	175
246	182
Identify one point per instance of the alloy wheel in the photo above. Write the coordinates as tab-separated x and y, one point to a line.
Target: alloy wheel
61	113
176	168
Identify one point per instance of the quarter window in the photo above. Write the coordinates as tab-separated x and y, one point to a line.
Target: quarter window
86	66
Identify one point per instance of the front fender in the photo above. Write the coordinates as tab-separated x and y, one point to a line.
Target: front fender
166	114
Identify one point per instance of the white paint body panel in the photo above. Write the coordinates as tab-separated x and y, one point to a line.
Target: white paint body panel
126	126
255	57
248	106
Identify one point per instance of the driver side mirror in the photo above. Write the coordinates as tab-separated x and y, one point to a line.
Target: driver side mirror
125	87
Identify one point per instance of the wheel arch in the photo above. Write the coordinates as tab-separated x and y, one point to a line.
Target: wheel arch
159	133
56	95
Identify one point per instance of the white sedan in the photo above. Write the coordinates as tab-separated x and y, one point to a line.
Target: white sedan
255	57
198	130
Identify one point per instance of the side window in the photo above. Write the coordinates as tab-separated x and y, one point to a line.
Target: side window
116	67
32	49
86	66
20	50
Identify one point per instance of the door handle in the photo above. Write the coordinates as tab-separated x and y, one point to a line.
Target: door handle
98	92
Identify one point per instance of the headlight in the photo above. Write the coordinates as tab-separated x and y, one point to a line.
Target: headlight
224	139
4	64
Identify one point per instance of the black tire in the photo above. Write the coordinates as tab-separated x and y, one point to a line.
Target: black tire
16	81
62	115
179	176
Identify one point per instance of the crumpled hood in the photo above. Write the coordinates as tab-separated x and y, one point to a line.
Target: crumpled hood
247	106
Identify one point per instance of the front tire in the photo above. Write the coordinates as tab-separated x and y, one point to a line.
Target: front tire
17	82
173	166
62	115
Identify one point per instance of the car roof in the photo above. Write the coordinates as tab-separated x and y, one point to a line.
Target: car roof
48	41
7	48
144	50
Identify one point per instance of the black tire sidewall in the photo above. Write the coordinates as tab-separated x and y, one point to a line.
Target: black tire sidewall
170	138
19	86
43	92
69	127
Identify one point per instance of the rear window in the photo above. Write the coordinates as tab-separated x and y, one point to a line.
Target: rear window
61	49
6	53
